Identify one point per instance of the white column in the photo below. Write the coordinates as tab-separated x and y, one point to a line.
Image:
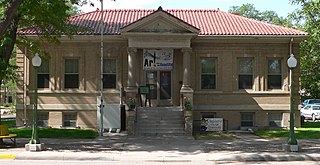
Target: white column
132	70
186	69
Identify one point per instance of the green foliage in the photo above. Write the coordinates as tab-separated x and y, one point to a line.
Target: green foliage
308	16
249	11
8	122
56	133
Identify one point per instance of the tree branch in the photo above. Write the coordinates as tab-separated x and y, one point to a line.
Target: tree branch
10	13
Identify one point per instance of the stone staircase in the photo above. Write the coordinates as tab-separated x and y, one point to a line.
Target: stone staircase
160	121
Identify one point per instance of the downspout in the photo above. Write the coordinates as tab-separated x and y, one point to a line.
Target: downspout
25	87
101	69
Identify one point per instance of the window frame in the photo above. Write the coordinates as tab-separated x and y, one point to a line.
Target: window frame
44	121
78	73
246	74
210	74
64	120
43	73
244	120
273	119
114	60
274	74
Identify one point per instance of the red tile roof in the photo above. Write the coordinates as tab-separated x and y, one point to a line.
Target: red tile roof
209	22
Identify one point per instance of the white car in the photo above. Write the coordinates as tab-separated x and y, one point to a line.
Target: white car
311	111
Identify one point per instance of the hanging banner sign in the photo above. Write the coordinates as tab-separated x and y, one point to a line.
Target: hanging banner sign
157	59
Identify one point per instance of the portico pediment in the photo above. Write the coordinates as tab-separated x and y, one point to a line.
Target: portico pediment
159	22
159	29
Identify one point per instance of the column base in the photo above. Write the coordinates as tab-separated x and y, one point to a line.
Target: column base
186	89
291	148
34	147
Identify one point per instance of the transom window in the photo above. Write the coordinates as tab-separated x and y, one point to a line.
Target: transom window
208	73
245	77
71	74
43	75
274	74
109	73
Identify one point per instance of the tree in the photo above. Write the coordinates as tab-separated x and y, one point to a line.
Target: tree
307	17
249	11
49	17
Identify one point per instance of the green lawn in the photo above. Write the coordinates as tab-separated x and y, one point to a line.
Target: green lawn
51	132
8	122
56	133
309	130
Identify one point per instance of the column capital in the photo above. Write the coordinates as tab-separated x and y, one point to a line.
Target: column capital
132	50
186	50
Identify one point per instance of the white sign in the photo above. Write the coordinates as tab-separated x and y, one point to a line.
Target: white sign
214	124
157	59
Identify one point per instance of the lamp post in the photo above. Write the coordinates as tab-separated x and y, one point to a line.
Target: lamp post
36	62
292	63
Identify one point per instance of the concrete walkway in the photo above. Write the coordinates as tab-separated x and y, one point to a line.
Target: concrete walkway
121	147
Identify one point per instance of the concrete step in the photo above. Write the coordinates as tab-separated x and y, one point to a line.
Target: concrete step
155	121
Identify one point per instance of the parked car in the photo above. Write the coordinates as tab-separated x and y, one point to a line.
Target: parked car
310	101
311	111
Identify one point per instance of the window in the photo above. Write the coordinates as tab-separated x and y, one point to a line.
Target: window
275	119
43	119
69	120
71	74
109	73
245	73
247	119
274	74
43	75
208	73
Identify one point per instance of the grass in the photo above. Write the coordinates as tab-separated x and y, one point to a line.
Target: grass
51	132
215	136
309	130
56	133
8	122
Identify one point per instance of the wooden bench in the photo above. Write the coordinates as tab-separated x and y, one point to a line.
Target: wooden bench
4	134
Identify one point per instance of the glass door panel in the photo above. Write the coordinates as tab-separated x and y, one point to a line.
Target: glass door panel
152	84
165	85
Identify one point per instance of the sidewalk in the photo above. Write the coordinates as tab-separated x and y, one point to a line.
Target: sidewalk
120	147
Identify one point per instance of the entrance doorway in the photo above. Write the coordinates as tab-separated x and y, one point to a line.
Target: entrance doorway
159	83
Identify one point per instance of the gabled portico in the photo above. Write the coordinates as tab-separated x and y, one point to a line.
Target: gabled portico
156	32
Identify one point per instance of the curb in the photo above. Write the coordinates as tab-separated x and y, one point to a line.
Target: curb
10	156
210	157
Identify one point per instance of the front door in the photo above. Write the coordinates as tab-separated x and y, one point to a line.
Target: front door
159	83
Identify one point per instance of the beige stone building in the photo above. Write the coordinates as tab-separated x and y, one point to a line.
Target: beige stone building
227	66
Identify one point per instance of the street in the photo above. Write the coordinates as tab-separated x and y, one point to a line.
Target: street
63	162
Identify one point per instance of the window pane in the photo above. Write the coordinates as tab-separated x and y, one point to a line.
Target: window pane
109	66
208	73
245	81
274	81
43	80
245	66
274	67
208	82
208	66
109	81
71	66
44	67
71	81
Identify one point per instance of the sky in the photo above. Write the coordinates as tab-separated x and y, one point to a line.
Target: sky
281	7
